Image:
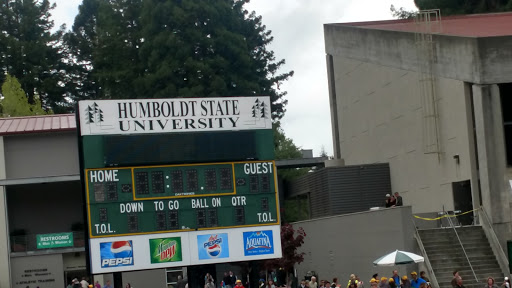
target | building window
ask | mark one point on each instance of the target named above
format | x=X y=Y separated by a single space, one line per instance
x=171 y=275
x=506 y=110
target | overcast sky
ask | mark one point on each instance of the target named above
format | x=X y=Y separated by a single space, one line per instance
x=297 y=27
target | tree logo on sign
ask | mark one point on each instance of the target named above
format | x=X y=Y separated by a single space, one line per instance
x=94 y=114
x=260 y=110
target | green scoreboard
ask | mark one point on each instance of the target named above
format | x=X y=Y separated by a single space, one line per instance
x=178 y=182
x=176 y=165
x=172 y=198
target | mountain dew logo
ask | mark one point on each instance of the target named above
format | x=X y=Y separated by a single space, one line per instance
x=165 y=250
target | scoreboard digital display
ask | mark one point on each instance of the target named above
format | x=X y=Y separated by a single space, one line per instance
x=171 y=198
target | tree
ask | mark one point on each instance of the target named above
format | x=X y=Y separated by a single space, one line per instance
x=15 y=101
x=401 y=13
x=453 y=7
x=30 y=52
x=285 y=149
x=167 y=48
x=291 y=241
x=323 y=153
x=284 y=146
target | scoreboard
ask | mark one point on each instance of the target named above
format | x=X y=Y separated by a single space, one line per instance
x=178 y=181
x=173 y=198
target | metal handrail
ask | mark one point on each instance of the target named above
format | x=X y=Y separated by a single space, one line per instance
x=502 y=259
x=433 y=278
x=462 y=246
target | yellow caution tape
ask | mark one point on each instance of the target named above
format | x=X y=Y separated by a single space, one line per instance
x=444 y=216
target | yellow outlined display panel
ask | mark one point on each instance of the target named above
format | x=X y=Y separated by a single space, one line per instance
x=172 y=198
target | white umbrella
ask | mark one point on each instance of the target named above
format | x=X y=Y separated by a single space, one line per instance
x=397 y=258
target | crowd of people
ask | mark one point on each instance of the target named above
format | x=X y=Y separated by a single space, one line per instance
x=394 y=281
x=75 y=283
x=490 y=283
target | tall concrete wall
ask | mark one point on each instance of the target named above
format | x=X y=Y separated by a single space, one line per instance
x=340 y=245
x=484 y=60
x=380 y=119
x=145 y=278
x=5 y=273
x=43 y=155
x=490 y=140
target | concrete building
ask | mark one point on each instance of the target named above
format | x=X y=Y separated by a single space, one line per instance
x=41 y=195
x=431 y=97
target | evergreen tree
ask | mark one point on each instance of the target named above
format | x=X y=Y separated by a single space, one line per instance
x=30 y=52
x=15 y=101
x=452 y=7
x=168 y=48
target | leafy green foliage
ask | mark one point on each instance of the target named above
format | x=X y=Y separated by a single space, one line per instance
x=401 y=13
x=285 y=149
x=30 y=52
x=284 y=146
x=167 y=48
x=454 y=7
x=296 y=209
x=291 y=240
x=15 y=101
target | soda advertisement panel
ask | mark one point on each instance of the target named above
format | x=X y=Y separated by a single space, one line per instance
x=213 y=246
x=258 y=243
x=116 y=254
x=165 y=250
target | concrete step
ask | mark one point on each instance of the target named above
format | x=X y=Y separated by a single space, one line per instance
x=444 y=267
x=432 y=234
x=467 y=247
x=459 y=254
x=450 y=244
x=460 y=230
x=468 y=274
x=446 y=255
x=450 y=266
x=471 y=254
x=470 y=283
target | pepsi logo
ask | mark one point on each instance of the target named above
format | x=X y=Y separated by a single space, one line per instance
x=121 y=249
x=116 y=254
x=212 y=246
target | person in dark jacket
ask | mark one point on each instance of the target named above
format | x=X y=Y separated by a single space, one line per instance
x=399 y=201
x=405 y=282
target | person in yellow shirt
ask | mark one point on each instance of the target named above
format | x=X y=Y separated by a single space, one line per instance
x=352 y=279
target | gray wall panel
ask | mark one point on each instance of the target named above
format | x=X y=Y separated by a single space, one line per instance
x=340 y=245
x=41 y=155
x=44 y=271
x=346 y=189
x=145 y=278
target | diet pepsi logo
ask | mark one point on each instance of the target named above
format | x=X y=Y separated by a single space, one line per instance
x=116 y=254
x=213 y=246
